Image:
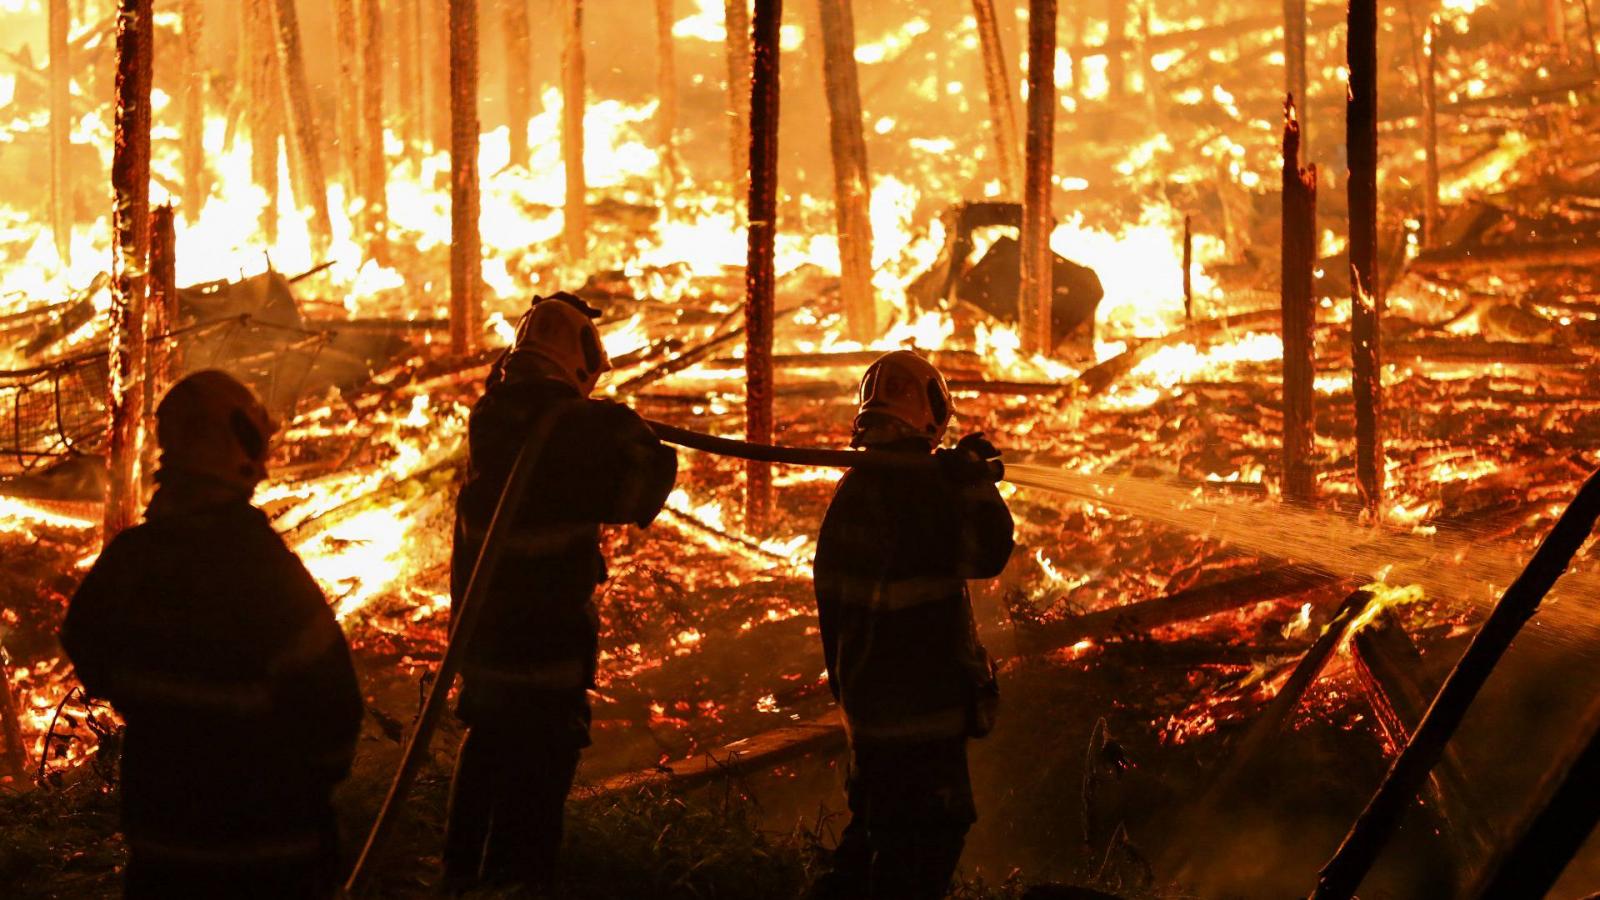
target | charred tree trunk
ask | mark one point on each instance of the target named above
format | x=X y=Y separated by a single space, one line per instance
x=574 y=102
x=737 y=16
x=519 y=77
x=161 y=315
x=466 y=310
x=130 y=232
x=303 y=120
x=346 y=35
x=1299 y=314
x=1343 y=873
x=60 y=131
x=1037 y=221
x=1002 y=96
x=1188 y=271
x=852 y=186
x=372 y=144
x=1294 y=61
x=438 y=57
x=196 y=183
x=1366 y=301
x=667 y=91
x=407 y=73
x=262 y=107
x=760 y=276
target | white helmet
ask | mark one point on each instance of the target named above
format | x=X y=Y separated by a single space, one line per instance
x=559 y=330
x=902 y=395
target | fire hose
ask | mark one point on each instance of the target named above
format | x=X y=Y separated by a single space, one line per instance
x=465 y=622
x=506 y=511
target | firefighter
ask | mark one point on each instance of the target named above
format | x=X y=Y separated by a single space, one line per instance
x=219 y=651
x=898 y=635
x=531 y=660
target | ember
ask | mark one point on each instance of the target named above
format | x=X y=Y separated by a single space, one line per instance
x=1282 y=316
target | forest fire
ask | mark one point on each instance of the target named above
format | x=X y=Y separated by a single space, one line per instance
x=1296 y=401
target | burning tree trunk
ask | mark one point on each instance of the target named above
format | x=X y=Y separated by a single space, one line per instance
x=1299 y=314
x=1033 y=303
x=667 y=90
x=377 y=173
x=161 y=314
x=1555 y=26
x=60 y=130
x=438 y=23
x=1422 y=50
x=852 y=187
x=1294 y=57
x=466 y=312
x=1002 y=97
x=760 y=277
x=1343 y=873
x=347 y=37
x=737 y=16
x=302 y=118
x=408 y=71
x=265 y=108
x=574 y=101
x=130 y=185
x=196 y=184
x=1366 y=302
x=519 y=77
x=1116 y=63
x=1188 y=271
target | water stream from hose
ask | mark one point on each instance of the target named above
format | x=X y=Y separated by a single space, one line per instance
x=1457 y=566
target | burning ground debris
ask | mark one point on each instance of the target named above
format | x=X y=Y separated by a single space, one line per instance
x=1159 y=585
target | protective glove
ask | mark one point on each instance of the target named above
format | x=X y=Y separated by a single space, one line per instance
x=972 y=460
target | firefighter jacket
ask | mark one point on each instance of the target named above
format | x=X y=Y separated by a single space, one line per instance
x=898 y=634
x=212 y=641
x=599 y=463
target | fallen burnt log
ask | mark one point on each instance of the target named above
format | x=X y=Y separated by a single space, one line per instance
x=1193 y=603
x=1387 y=665
x=822 y=734
x=1484 y=258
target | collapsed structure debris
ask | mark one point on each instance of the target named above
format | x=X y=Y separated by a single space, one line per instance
x=1138 y=328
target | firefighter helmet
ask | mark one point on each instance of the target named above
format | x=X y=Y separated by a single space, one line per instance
x=902 y=395
x=210 y=424
x=559 y=330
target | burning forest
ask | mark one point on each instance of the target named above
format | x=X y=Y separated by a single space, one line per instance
x=1279 y=324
